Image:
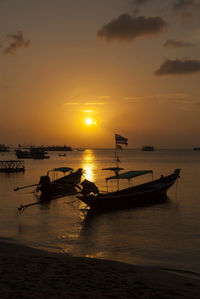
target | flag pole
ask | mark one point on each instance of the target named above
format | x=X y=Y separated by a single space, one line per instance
x=117 y=164
x=118 y=140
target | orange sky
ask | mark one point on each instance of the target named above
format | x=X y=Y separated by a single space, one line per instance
x=132 y=67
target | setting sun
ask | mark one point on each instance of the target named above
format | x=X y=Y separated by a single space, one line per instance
x=88 y=121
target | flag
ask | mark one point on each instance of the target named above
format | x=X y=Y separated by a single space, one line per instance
x=120 y=140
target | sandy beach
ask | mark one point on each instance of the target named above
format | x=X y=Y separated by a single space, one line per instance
x=31 y=273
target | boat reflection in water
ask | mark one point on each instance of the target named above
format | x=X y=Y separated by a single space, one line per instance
x=88 y=164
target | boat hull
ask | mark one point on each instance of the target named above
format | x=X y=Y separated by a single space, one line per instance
x=53 y=190
x=144 y=194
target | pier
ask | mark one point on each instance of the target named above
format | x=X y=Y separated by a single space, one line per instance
x=12 y=166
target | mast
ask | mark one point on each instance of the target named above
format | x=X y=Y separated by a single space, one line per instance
x=116 y=163
x=118 y=140
x=116 y=160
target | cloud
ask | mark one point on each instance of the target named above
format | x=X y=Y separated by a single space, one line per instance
x=186 y=8
x=138 y=2
x=170 y=43
x=85 y=103
x=95 y=103
x=178 y=67
x=71 y=103
x=103 y=97
x=17 y=41
x=89 y=111
x=181 y=5
x=177 y=98
x=128 y=28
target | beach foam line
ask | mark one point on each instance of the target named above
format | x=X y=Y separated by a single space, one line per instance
x=185 y=273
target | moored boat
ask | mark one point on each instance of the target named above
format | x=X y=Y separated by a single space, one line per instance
x=4 y=148
x=32 y=153
x=50 y=185
x=50 y=189
x=68 y=183
x=153 y=191
x=23 y=154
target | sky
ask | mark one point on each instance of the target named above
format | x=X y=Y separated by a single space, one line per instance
x=76 y=72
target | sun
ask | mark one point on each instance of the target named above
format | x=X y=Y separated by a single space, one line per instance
x=88 y=121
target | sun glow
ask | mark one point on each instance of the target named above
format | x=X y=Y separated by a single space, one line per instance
x=88 y=121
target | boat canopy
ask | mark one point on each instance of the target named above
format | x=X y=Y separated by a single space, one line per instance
x=129 y=174
x=62 y=169
x=113 y=168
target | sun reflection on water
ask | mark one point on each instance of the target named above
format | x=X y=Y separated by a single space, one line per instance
x=88 y=164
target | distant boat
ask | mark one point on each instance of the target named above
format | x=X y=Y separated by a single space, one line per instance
x=4 y=148
x=23 y=154
x=32 y=153
x=63 y=148
x=62 y=155
x=153 y=191
x=148 y=148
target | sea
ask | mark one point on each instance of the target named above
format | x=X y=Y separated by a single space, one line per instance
x=164 y=235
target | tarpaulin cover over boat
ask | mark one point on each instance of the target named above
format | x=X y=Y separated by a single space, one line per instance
x=113 y=168
x=129 y=174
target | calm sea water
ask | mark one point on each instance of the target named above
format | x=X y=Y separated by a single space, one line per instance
x=163 y=235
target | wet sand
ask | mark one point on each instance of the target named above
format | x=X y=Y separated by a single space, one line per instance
x=30 y=273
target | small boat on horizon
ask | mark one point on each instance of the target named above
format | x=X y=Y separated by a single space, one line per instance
x=148 y=148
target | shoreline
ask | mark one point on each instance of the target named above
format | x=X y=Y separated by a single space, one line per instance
x=29 y=273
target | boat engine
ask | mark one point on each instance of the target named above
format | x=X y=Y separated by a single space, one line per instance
x=89 y=187
x=44 y=183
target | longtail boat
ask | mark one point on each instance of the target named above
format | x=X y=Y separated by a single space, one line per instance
x=153 y=191
x=150 y=192
x=50 y=185
x=65 y=184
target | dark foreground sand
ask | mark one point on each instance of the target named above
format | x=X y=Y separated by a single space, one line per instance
x=30 y=273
